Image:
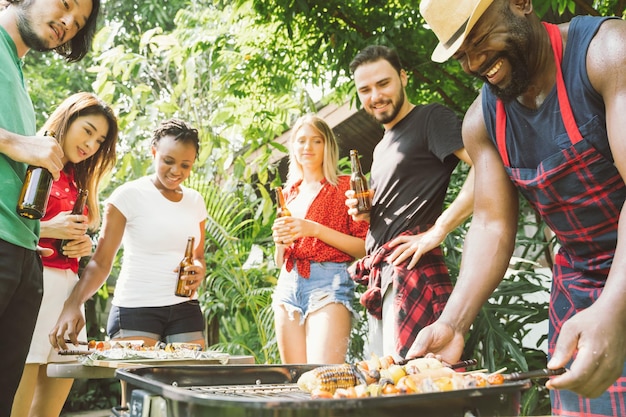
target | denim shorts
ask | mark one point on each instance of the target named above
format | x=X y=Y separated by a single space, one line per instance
x=328 y=283
x=178 y=323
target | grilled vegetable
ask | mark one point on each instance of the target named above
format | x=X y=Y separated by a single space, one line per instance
x=495 y=379
x=415 y=366
x=329 y=378
x=394 y=372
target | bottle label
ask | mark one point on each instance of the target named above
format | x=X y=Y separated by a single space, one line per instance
x=361 y=193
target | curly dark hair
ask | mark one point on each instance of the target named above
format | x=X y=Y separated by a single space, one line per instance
x=180 y=130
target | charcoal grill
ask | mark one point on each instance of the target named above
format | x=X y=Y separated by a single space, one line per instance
x=271 y=391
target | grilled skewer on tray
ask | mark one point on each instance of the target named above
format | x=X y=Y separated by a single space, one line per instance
x=385 y=377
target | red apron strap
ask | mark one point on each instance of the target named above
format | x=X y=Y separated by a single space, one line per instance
x=501 y=132
x=566 y=110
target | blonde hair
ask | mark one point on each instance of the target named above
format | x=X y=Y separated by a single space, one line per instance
x=331 y=150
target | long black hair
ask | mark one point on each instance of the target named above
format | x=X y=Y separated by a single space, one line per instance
x=76 y=48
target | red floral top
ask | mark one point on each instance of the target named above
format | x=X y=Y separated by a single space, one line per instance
x=328 y=208
x=62 y=197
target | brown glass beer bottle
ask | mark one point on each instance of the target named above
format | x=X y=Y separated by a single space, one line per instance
x=358 y=184
x=187 y=261
x=281 y=207
x=79 y=208
x=35 y=191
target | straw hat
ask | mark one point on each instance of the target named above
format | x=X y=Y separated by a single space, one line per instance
x=451 y=20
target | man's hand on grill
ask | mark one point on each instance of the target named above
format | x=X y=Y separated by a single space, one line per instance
x=439 y=339
x=599 y=342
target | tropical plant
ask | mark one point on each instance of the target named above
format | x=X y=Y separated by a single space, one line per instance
x=237 y=291
x=499 y=337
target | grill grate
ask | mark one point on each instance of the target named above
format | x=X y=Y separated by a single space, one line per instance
x=271 y=391
x=283 y=391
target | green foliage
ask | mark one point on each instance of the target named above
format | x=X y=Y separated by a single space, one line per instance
x=93 y=394
x=237 y=290
x=499 y=336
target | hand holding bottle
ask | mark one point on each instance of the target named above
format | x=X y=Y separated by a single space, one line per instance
x=69 y=227
x=41 y=151
x=77 y=248
x=190 y=273
x=78 y=211
x=358 y=184
x=280 y=229
x=352 y=203
x=35 y=191
x=191 y=277
x=286 y=230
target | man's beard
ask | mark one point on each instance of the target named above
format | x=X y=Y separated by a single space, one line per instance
x=516 y=53
x=520 y=76
x=396 y=106
x=30 y=38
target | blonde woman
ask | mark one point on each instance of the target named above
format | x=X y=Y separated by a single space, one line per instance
x=312 y=300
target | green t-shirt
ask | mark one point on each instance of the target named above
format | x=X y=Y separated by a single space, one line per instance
x=16 y=115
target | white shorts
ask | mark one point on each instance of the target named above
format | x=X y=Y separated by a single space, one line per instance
x=57 y=286
x=381 y=339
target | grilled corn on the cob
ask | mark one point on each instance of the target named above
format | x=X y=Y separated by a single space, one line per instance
x=329 y=378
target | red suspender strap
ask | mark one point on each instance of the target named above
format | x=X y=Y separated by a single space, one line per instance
x=501 y=132
x=566 y=110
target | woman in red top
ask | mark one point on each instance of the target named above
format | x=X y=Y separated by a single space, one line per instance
x=87 y=131
x=313 y=298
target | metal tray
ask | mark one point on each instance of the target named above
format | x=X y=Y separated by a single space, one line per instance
x=228 y=391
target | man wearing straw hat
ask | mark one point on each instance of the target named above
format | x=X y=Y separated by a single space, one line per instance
x=549 y=122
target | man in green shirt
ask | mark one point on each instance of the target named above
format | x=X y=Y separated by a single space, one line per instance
x=68 y=28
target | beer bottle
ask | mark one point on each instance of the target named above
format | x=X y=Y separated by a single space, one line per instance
x=281 y=209
x=79 y=208
x=35 y=191
x=358 y=183
x=187 y=261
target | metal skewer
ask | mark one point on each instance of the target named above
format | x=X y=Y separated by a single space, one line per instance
x=74 y=352
x=539 y=373
x=80 y=342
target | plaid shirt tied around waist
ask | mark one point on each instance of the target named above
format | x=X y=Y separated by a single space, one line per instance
x=422 y=292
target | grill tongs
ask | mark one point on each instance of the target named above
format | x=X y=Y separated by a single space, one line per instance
x=513 y=376
x=457 y=365
x=71 y=352
x=539 y=373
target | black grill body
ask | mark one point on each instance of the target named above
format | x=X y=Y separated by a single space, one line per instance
x=270 y=391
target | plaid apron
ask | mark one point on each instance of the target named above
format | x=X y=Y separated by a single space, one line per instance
x=579 y=193
x=422 y=292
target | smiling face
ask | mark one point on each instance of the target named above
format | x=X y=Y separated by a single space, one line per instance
x=83 y=137
x=173 y=161
x=381 y=91
x=497 y=51
x=47 y=24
